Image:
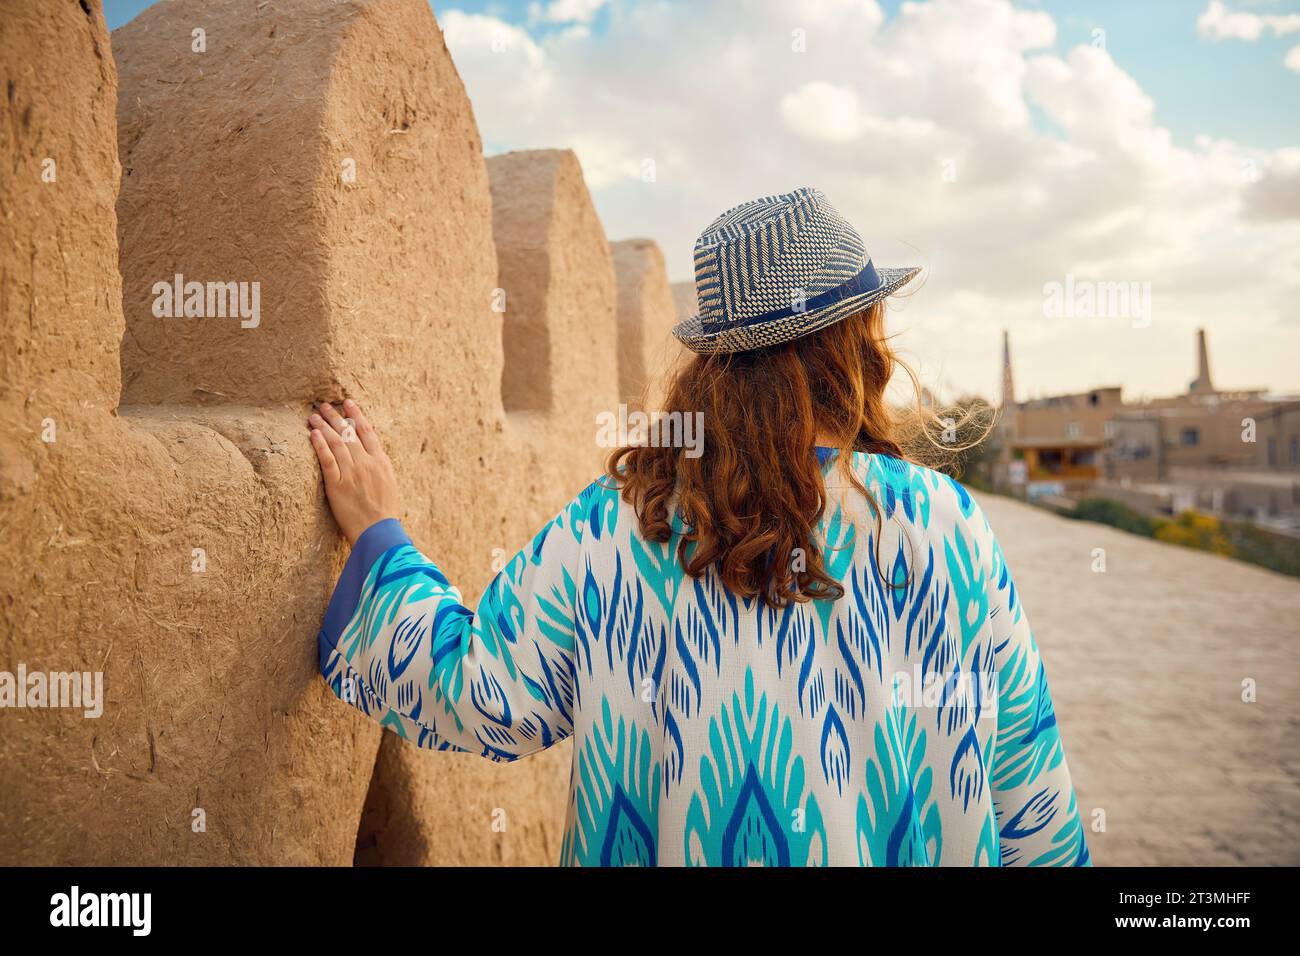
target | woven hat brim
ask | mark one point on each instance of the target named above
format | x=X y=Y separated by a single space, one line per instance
x=690 y=332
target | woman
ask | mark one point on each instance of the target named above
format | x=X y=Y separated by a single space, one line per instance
x=799 y=648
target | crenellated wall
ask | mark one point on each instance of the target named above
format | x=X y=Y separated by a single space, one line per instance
x=647 y=312
x=161 y=511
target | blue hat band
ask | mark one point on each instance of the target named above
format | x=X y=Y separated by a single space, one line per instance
x=868 y=280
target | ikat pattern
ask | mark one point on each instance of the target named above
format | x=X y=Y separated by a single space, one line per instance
x=907 y=724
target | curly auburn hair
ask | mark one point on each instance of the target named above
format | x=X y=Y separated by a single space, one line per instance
x=752 y=500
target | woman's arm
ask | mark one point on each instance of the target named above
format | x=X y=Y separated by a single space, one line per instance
x=1037 y=813
x=400 y=646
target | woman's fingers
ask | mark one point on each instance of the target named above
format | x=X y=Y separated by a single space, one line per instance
x=360 y=482
x=329 y=465
x=365 y=431
x=334 y=439
x=343 y=438
x=337 y=422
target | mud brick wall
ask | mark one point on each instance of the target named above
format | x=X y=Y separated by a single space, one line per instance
x=647 y=311
x=163 y=519
x=684 y=299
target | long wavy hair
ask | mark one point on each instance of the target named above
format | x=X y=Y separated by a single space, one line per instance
x=751 y=501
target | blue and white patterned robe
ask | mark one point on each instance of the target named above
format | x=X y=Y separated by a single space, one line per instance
x=896 y=726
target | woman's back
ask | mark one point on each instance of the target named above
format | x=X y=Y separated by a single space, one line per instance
x=763 y=654
x=906 y=723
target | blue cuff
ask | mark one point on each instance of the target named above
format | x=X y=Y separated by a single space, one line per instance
x=375 y=541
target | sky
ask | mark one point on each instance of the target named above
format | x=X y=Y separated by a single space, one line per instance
x=1098 y=179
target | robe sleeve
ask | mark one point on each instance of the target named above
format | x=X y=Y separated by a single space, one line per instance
x=498 y=680
x=1033 y=797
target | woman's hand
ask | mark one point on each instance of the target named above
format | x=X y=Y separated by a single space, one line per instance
x=359 y=479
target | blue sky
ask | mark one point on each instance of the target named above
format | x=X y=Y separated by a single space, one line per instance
x=1169 y=157
x=1223 y=88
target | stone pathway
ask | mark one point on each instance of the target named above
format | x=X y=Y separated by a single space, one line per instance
x=1146 y=662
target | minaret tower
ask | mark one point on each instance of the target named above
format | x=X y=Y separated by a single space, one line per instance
x=1003 y=470
x=1008 y=384
x=1202 y=385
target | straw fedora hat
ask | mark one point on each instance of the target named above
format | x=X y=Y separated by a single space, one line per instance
x=777 y=268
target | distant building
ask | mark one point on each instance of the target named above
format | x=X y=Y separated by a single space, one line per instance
x=1204 y=428
x=1053 y=446
x=1277 y=437
x=1152 y=439
x=1062 y=439
x=1229 y=452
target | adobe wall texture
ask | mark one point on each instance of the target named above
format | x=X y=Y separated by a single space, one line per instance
x=647 y=312
x=163 y=516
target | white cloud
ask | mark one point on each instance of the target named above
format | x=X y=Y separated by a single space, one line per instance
x=833 y=114
x=1273 y=192
x=570 y=11
x=1222 y=23
x=822 y=111
x=954 y=135
x=484 y=45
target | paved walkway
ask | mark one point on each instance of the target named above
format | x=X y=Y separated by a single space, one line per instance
x=1146 y=662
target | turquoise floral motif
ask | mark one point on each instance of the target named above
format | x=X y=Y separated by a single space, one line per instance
x=970 y=586
x=615 y=800
x=837 y=549
x=901 y=487
x=898 y=823
x=657 y=565
x=753 y=807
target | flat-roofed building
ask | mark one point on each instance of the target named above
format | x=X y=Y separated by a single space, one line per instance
x=1061 y=438
x=1277 y=437
x=1222 y=451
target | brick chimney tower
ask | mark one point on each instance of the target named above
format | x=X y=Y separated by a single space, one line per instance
x=1008 y=384
x=1202 y=385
